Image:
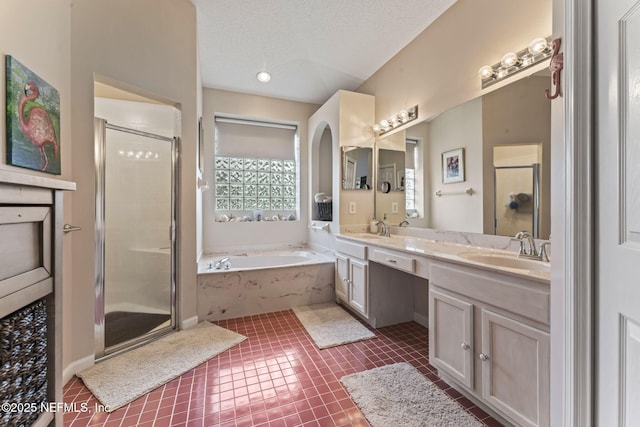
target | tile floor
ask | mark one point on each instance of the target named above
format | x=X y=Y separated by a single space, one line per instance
x=277 y=377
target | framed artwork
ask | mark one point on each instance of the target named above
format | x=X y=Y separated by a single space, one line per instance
x=33 y=120
x=453 y=166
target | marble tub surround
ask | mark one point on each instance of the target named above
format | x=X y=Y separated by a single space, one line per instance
x=455 y=252
x=231 y=294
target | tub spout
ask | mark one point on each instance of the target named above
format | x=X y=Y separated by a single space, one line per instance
x=224 y=262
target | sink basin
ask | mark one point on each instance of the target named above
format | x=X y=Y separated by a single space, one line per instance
x=507 y=260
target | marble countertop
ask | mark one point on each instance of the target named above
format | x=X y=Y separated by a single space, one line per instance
x=457 y=253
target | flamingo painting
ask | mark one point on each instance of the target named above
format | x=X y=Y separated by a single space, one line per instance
x=38 y=127
x=33 y=111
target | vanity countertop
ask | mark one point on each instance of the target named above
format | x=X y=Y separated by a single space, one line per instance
x=473 y=256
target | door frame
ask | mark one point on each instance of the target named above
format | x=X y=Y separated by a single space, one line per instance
x=101 y=352
x=573 y=221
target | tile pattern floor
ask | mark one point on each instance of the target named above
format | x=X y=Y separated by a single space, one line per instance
x=277 y=377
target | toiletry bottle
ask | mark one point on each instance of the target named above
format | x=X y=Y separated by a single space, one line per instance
x=373 y=227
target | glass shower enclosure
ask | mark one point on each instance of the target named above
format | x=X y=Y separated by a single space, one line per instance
x=517 y=199
x=135 y=237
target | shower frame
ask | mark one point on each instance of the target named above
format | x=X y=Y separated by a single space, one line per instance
x=100 y=132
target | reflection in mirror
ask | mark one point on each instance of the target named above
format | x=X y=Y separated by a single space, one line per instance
x=357 y=168
x=517 y=114
x=391 y=183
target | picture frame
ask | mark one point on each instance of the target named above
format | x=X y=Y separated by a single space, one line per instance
x=453 y=166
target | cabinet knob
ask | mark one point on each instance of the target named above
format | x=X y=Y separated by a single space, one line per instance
x=465 y=346
x=483 y=357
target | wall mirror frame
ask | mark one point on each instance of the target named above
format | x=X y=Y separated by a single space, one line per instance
x=515 y=114
x=357 y=168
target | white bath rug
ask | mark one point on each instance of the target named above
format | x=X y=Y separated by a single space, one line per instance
x=330 y=325
x=399 y=395
x=125 y=377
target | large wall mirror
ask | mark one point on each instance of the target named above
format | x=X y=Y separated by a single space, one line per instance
x=357 y=168
x=505 y=137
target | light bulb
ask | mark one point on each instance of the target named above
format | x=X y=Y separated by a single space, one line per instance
x=537 y=46
x=263 y=76
x=404 y=115
x=509 y=60
x=486 y=71
x=384 y=124
x=377 y=128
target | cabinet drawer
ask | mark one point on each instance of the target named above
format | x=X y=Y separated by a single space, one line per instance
x=25 y=247
x=528 y=299
x=393 y=259
x=353 y=249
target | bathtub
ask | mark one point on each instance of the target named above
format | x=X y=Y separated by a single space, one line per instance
x=263 y=282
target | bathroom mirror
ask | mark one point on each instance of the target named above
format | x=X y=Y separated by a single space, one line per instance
x=357 y=168
x=390 y=185
x=515 y=115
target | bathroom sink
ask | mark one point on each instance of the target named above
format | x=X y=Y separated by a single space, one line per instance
x=507 y=260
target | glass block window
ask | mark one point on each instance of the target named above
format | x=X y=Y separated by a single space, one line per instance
x=256 y=171
x=244 y=183
x=410 y=188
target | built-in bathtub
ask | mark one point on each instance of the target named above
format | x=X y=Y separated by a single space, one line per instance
x=262 y=282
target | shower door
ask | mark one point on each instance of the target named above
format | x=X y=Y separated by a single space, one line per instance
x=135 y=211
x=516 y=198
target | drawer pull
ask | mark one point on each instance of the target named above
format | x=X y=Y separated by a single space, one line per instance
x=483 y=357
x=392 y=261
x=465 y=346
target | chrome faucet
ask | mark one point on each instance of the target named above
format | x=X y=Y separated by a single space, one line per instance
x=531 y=252
x=222 y=263
x=403 y=223
x=384 y=229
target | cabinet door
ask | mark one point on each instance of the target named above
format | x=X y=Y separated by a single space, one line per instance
x=515 y=369
x=359 y=289
x=451 y=336
x=342 y=277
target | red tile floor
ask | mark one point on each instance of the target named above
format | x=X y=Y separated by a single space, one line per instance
x=277 y=377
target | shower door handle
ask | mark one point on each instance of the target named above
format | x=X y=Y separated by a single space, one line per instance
x=67 y=228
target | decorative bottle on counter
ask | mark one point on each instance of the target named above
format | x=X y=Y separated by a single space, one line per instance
x=373 y=227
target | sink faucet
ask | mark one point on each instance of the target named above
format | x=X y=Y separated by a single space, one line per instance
x=531 y=252
x=403 y=223
x=384 y=228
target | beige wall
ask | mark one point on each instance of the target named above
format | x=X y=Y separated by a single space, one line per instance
x=222 y=236
x=149 y=47
x=439 y=69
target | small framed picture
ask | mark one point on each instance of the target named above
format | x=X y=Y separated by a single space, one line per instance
x=453 y=166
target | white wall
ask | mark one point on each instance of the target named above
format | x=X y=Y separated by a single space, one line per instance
x=460 y=127
x=226 y=236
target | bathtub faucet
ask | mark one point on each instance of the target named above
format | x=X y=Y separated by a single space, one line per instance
x=222 y=263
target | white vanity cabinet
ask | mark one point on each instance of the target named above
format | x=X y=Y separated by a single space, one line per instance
x=489 y=333
x=352 y=281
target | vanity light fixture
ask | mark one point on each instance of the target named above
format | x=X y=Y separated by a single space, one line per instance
x=263 y=76
x=403 y=117
x=513 y=62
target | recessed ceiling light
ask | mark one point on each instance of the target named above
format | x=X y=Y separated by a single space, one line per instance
x=263 y=76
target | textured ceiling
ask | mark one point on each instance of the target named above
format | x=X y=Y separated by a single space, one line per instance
x=312 y=48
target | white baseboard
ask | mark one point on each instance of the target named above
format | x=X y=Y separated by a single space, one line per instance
x=421 y=319
x=77 y=366
x=189 y=323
